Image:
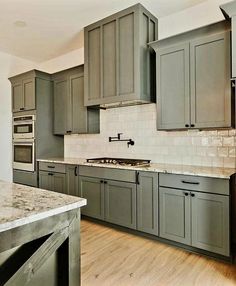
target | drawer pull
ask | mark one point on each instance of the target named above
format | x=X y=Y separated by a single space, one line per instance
x=51 y=167
x=192 y=195
x=190 y=183
x=186 y=194
x=137 y=178
x=50 y=174
x=75 y=171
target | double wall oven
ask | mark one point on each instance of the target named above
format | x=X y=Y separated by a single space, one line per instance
x=24 y=143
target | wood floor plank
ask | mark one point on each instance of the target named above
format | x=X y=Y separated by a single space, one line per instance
x=115 y=258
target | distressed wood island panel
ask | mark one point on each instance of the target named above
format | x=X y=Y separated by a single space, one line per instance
x=39 y=237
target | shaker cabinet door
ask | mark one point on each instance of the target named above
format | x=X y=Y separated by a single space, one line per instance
x=29 y=93
x=92 y=189
x=210 y=222
x=72 y=180
x=45 y=181
x=175 y=215
x=173 y=87
x=78 y=113
x=120 y=203
x=147 y=203
x=17 y=97
x=60 y=106
x=58 y=183
x=210 y=81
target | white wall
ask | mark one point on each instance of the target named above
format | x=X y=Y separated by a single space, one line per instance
x=9 y=66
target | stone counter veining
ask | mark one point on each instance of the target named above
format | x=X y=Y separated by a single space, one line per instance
x=213 y=172
x=20 y=205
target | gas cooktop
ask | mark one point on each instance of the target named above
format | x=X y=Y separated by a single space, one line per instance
x=120 y=161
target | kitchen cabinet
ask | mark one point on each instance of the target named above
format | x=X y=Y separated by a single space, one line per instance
x=193 y=79
x=118 y=61
x=147 y=202
x=70 y=115
x=72 y=180
x=52 y=177
x=196 y=214
x=210 y=222
x=175 y=215
x=110 y=194
x=92 y=189
x=24 y=90
x=52 y=181
x=120 y=203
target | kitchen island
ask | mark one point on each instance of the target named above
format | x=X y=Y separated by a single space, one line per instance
x=39 y=237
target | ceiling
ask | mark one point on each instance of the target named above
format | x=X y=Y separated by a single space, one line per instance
x=39 y=30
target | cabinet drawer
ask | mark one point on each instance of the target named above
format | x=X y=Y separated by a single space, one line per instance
x=195 y=183
x=52 y=167
x=108 y=173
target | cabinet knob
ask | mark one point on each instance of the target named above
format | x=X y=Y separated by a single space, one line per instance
x=186 y=125
x=22 y=108
x=101 y=181
x=105 y=182
x=186 y=194
x=192 y=125
x=192 y=195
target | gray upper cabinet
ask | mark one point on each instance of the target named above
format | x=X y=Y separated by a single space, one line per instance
x=147 y=202
x=70 y=115
x=173 y=87
x=210 y=222
x=193 y=79
x=117 y=58
x=120 y=203
x=210 y=81
x=24 y=90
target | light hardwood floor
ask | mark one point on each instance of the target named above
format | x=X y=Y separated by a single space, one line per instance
x=114 y=258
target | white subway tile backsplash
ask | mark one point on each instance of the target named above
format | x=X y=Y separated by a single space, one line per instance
x=193 y=147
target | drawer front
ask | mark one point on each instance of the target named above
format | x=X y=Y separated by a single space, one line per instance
x=195 y=183
x=108 y=173
x=52 y=167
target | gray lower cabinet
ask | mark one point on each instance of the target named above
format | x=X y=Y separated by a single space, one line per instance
x=92 y=189
x=193 y=79
x=195 y=218
x=120 y=203
x=175 y=221
x=72 y=180
x=210 y=222
x=70 y=115
x=52 y=181
x=147 y=202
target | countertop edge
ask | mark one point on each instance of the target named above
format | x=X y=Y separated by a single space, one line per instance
x=42 y=215
x=82 y=162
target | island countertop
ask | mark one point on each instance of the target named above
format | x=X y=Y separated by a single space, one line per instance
x=20 y=205
x=204 y=171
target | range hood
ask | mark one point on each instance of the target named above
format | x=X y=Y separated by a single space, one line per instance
x=229 y=11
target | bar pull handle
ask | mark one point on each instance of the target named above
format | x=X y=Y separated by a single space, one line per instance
x=51 y=167
x=50 y=174
x=190 y=183
x=75 y=171
x=137 y=178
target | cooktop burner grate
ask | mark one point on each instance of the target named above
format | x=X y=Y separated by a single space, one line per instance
x=120 y=161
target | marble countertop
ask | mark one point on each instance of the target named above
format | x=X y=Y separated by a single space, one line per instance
x=20 y=205
x=213 y=172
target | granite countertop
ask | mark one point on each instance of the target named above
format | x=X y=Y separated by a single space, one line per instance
x=20 y=205
x=213 y=172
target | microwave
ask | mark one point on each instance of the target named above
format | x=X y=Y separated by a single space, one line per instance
x=24 y=127
x=24 y=155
